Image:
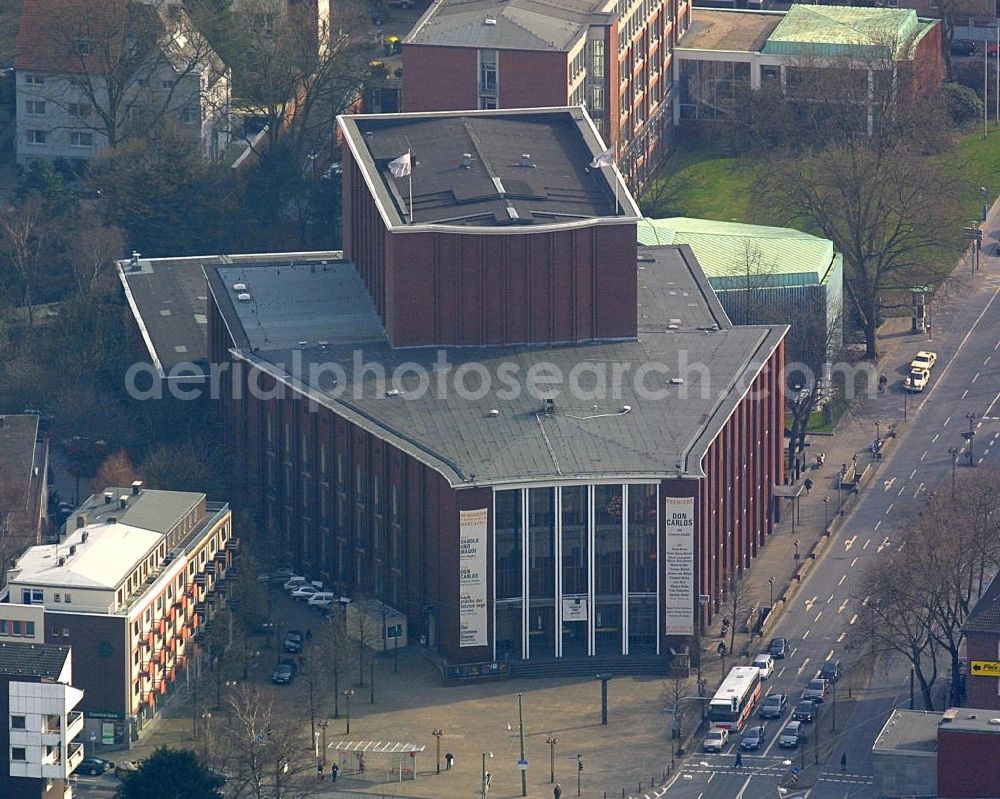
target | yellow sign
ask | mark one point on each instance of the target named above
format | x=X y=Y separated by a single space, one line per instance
x=985 y=668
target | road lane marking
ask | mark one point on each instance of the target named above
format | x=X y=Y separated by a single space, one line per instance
x=830 y=655
x=987 y=360
x=830 y=599
x=964 y=394
x=744 y=787
x=864 y=602
x=853 y=562
x=990 y=408
x=888 y=483
x=889 y=509
x=841 y=637
x=843 y=605
x=901 y=490
x=710 y=778
x=913 y=473
x=842 y=580
x=878 y=524
x=817 y=617
x=980 y=460
x=806 y=635
x=936 y=435
x=781 y=671
x=974 y=379
x=804 y=662
x=850 y=543
x=946 y=422
x=869 y=540
x=854 y=618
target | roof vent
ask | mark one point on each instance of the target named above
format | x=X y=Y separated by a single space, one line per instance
x=323 y=344
x=626 y=409
x=392 y=392
x=676 y=381
x=672 y=326
x=549 y=408
x=526 y=160
x=135 y=259
x=239 y=286
x=123 y=502
x=467 y=160
x=112 y=520
x=72 y=550
x=84 y=536
x=62 y=561
x=136 y=487
x=243 y=297
x=490 y=21
x=303 y=344
x=80 y=521
x=108 y=497
x=494 y=412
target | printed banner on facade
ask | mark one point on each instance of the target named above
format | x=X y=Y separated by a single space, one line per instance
x=472 y=580
x=680 y=565
x=574 y=609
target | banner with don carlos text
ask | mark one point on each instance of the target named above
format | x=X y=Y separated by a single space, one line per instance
x=472 y=580
x=679 y=579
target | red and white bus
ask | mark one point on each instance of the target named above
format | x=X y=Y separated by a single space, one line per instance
x=734 y=702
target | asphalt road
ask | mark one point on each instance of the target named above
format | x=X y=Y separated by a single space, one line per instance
x=965 y=380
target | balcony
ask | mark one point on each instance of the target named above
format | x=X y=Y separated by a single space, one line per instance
x=74 y=724
x=74 y=754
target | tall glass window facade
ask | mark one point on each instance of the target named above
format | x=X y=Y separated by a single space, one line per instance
x=576 y=570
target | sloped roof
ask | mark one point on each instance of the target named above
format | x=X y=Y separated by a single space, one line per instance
x=505 y=24
x=34 y=660
x=831 y=31
x=726 y=249
x=985 y=616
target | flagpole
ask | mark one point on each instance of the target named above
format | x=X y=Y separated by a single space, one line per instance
x=615 y=173
x=410 y=177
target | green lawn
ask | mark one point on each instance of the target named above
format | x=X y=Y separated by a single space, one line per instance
x=979 y=159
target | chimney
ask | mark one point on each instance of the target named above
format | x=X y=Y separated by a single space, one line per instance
x=108 y=497
x=123 y=502
x=72 y=550
x=136 y=487
x=84 y=536
x=467 y=160
x=62 y=561
x=526 y=159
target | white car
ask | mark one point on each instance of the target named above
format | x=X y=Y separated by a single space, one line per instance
x=917 y=380
x=322 y=599
x=305 y=591
x=716 y=739
x=293 y=582
x=765 y=663
x=924 y=360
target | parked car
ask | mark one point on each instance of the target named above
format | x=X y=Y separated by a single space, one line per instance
x=304 y=591
x=293 y=582
x=278 y=576
x=917 y=380
x=126 y=767
x=924 y=360
x=94 y=766
x=773 y=706
x=815 y=689
x=963 y=47
x=322 y=599
x=778 y=648
x=716 y=739
x=805 y=710
x=830 y=671
x=792 y=735
x=284 y=672
x=294 y=639
x=752 y=738
x=765 y=663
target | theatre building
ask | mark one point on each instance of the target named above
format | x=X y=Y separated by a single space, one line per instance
x=496 y=413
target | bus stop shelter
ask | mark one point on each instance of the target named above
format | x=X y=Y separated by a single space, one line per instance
x=387 y=761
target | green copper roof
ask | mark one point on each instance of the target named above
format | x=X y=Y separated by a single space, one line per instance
x=728 y=251
x=837 y=31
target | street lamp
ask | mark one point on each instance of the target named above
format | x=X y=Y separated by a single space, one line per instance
x=796 y=543
x=347 y=698
x=971 y=435
x=522 y=761
x=826 y=514
x=322 y=728
x=770 y=581
x=604 y=678
x=953 y=451
x=486 y=774
x=552 y=741
x=437 y=734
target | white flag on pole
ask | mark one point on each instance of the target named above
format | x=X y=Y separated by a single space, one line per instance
x=402 y=166
x=607 y=158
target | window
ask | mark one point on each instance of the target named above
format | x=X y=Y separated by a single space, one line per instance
x=190 y=115
x=595 y=49
x=35 y=107
x=18 y=722
x=37 y=80
x=83 y=46
x=65 y=632
x=29 y=629
x=36 y=137
x=166 y=84
x=56 y=598
x=487 y=71
x=67 y=599
x=17 y=753
x=81 y=110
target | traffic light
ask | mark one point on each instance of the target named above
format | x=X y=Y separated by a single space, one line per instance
x=579 y=762
x=734 y=703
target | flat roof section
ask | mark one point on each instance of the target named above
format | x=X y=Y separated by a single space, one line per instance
x=733 y=31
x=499 y=170
x=642 y=426
x=150 y=509
x=970 y=720
x=506 y=24
x=845 y=31
x=909 y=732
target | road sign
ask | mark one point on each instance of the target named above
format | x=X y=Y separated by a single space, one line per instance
x=973 y=233
x=985 y=668
x=522 y=764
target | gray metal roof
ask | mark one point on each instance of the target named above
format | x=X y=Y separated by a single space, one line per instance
x=32 y=660
x=508 y=24
x=470 y=170
x=681 y=324
x=911 y=732
x=155 y=510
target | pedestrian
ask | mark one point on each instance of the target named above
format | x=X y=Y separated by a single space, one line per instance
x=739 y=759
x=557 y=792
x=361 y=762
x=334 y=772
x=843 y=762
x=808 y=484
x=449 y=761
x=309 y=634
x=882 y=383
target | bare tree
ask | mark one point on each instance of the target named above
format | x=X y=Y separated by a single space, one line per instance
x=23 y=230
x=361 y=627
x=95 y=249
x=116 y=470
x=333 y=649
x=739 y=600
x=125 y=65
x=674 y=690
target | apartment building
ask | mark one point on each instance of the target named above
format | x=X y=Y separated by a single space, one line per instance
x=612 y=56
x=137 y=574
x=40 y=724
x=89 y=75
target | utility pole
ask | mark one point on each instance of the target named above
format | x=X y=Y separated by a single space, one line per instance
x=552 y=741
x=437 y=735
x=579 y=774
x=520 y=724
x=953 y=451
x=971 y=436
